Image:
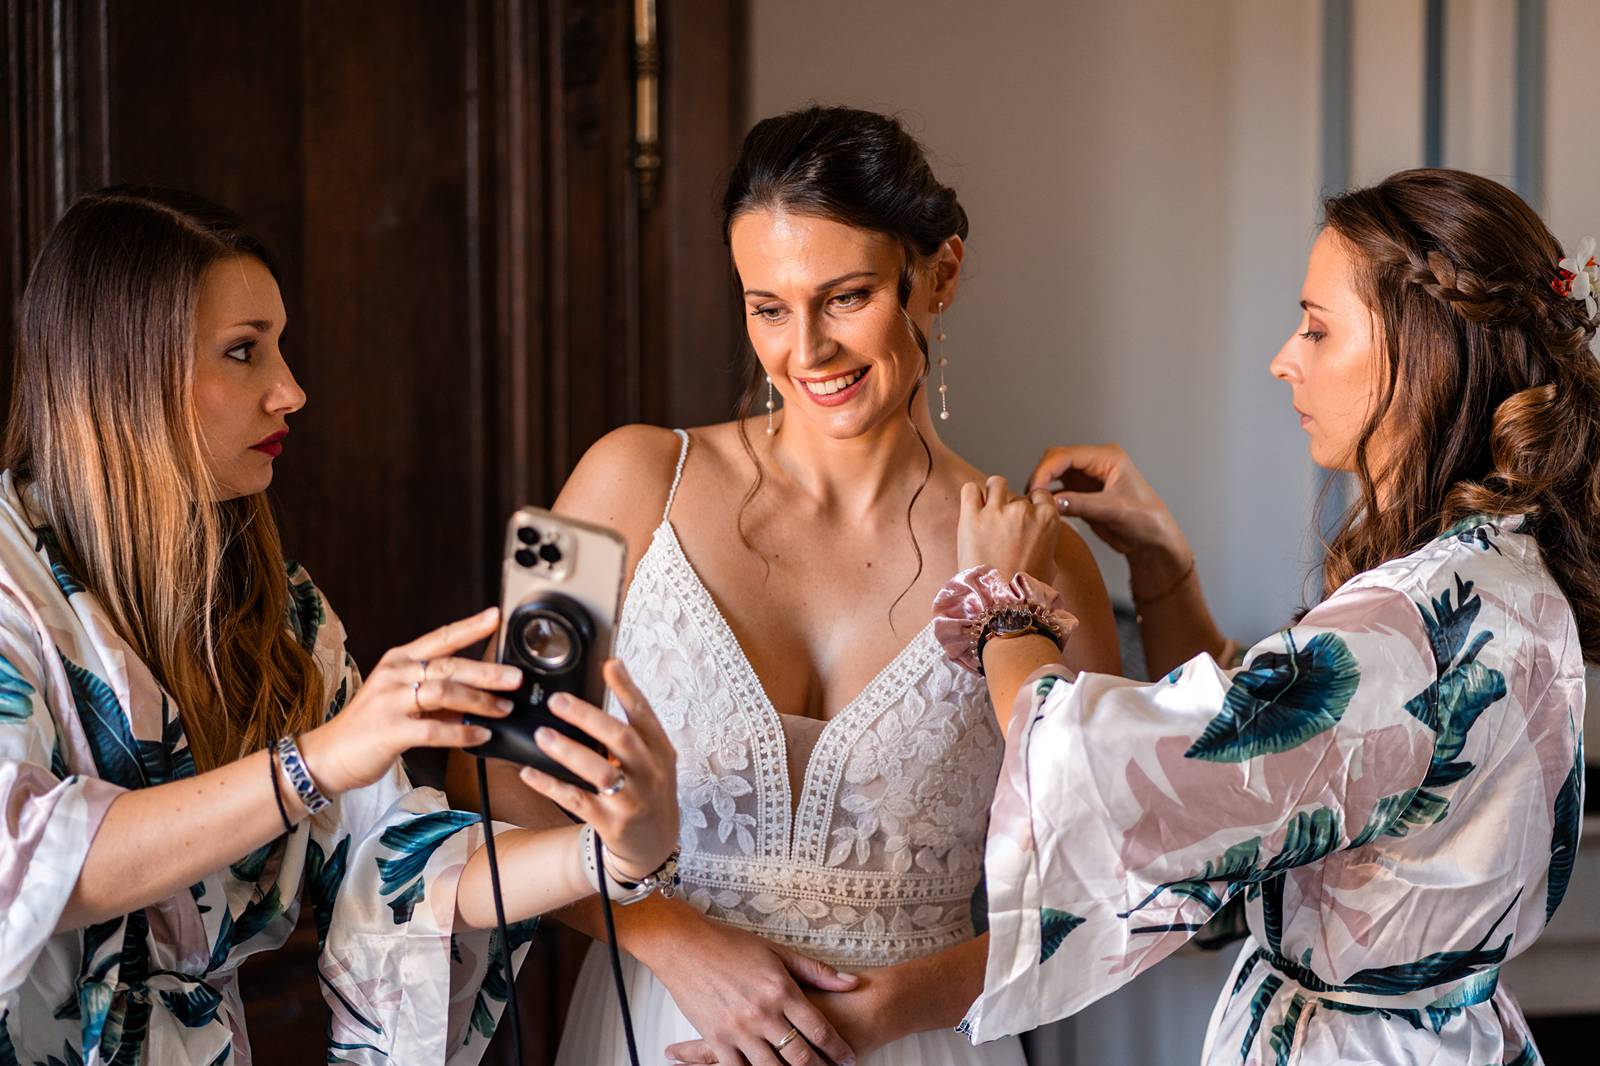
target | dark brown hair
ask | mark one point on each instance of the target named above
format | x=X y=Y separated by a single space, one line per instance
x=1492 y=369
x=864 y=170
x=103 y=425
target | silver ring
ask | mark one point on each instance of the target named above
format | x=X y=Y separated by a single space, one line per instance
x=788 y=1038
x=424 y=664
x=616 y=786
x=416 y=694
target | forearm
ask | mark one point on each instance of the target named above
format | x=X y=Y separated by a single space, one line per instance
x=541 y=870
x=1175 y=623
x=936 y=991
x=157 y=841
x=1008 y=663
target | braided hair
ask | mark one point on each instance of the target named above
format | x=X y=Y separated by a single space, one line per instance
x=1492 y=369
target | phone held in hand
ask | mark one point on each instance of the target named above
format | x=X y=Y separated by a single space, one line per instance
x=561 y=590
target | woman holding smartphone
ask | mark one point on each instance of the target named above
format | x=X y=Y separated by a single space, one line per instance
x=185 y=744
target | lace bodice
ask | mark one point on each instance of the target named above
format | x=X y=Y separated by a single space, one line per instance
x=877 y=860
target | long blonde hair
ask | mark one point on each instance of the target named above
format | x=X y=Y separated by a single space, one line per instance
x=103 y=425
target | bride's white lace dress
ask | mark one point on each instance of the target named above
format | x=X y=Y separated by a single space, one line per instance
x=872 y=862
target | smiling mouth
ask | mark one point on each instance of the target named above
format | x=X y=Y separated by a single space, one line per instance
x=835 y=384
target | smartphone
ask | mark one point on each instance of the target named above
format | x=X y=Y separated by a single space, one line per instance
x=560 y=596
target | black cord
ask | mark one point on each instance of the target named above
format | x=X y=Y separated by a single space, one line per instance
x=277 y=792
x=500 y=912
x=611 y=942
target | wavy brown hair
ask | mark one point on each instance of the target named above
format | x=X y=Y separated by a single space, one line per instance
x=1492 y=371
x=864 y=170
x=103 y=425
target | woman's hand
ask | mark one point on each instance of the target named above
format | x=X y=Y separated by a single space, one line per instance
x=740 y=994
x=636 y=809
x=1101 y=485
x=414 y=698
x=864 y=1017
x=1010 y=533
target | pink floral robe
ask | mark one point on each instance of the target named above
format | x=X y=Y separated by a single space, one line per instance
x=1393 y=785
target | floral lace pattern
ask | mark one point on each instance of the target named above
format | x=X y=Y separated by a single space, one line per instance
x=878 y=861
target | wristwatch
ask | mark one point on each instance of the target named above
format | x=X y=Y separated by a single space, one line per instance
x=1005 y=622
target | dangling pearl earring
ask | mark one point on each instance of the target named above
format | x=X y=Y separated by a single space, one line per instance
x=944 y=390
x=771 y=406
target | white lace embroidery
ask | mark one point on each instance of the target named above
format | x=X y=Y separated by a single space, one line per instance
x=887 y=836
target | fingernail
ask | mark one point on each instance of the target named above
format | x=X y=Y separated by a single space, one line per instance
x=510 y=675
x=559 y=701
x=483 y=735
x=541 y=735
x=487 y=612
x=504 y=705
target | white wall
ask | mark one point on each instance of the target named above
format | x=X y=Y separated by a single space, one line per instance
x=1141 y=179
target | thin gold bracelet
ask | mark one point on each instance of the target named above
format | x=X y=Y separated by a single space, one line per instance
x=1141 y=605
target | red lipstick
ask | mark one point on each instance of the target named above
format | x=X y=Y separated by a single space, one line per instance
x=272 y=446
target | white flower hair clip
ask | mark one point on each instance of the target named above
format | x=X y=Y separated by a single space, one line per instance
x=1578 y=278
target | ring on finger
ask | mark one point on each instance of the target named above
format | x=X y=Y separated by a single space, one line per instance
x=424 y=676
x=788 y=1038
x=416 y=694
x=618 y=783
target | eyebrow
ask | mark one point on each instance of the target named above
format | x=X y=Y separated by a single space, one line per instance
x=1307 y=305
x=260 y=325
x=830 y=283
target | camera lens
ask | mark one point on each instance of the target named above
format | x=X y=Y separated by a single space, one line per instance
x=526 y=558
x=549 y=642
x=550 y=554
x=528 y=535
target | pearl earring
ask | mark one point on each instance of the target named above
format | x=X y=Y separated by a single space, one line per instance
x=944 y=390
x=771 y=406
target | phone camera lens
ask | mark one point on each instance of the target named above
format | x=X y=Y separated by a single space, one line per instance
x=550 y=554
x=526 y=558
x=528 y=535
x=549 y=642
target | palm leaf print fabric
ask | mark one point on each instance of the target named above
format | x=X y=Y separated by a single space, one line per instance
x=1350 y=784
x=81 y=722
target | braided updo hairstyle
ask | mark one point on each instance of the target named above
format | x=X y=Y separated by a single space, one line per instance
x=1491 y=369
x=858 y=168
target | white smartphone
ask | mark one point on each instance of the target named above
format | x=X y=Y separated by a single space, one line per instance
x=560 y=596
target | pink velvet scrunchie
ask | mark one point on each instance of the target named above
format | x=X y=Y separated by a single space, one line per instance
x=966 y=603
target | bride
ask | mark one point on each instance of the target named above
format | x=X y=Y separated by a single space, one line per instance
x=835 y=770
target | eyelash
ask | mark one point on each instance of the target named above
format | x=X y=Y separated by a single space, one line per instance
x=247 y=347
x=1313 y=335
x=854 y=298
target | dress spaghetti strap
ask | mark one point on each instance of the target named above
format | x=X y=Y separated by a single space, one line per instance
x=677 y=476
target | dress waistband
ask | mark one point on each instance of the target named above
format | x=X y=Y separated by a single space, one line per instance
x=1386 y=991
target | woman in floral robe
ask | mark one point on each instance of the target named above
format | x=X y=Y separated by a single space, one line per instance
x=153 y=646
x=1392 y=785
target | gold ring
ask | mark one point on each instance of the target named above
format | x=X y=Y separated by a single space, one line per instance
x=788 y=1038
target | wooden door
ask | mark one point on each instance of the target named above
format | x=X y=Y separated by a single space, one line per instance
x=483 y=272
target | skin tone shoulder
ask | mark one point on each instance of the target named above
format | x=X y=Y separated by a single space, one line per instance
x=826 y=592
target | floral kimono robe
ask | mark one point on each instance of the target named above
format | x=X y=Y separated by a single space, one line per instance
x=81 y=720
x=1393 y=785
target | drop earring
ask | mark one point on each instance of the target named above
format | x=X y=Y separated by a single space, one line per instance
x=771 y=406
x=944 y=389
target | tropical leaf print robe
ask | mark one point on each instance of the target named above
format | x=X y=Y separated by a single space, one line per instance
x=82 y=720
x=1394 y=785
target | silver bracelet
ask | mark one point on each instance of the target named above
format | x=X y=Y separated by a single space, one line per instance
x=622 y=893
x=294 y=768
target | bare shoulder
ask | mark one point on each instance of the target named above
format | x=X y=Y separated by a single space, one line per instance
x=622 y=481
